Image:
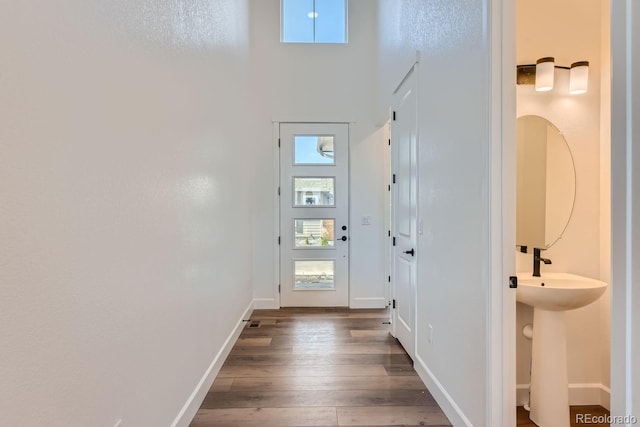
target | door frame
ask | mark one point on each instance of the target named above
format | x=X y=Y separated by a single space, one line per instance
x=501 y=303
x=276 y=203
x=625 y=339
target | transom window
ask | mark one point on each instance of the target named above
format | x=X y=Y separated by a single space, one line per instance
x=313 y=21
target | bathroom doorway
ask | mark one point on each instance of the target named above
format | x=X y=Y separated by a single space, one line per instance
x=584 y=121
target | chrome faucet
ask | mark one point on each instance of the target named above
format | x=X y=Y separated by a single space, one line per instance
x=536 y=262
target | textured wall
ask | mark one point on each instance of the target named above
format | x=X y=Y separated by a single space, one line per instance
x=454 y=143
x=124 y=224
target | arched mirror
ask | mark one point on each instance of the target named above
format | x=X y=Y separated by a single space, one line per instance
x=546 y=183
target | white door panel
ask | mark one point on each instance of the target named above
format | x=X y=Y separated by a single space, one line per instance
x=314 y=200
x=404 y=137
x=404 y=310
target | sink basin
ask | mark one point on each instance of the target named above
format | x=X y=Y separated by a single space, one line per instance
x=558 y=291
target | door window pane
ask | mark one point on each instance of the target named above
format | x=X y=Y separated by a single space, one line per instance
x=314 y=233
x=314 y=191
x=313 y=150
x=316 y=274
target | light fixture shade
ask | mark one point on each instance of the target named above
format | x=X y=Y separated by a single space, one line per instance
x=545 y=68
x=579 y=78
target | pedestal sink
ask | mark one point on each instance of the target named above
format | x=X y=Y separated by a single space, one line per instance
x=551 y=295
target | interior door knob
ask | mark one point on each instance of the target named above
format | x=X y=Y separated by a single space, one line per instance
x=411 y=252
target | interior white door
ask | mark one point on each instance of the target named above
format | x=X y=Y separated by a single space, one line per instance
x=404 y=136
x=314 y=214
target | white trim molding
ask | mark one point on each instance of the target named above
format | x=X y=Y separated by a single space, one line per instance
x=366 y=302
x=276 y=213
x=501 y=301
x=579 y=394
x=191 y=406
x=265 y=304
x=625 y=204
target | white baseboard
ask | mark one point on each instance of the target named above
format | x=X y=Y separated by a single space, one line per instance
x=605 y=397
x=188 y=411
x=579 y=394
x=522 y=394
x=377 y=302
x=445 y=401
x=265 y=304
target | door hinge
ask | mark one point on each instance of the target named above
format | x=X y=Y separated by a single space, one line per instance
x=278 y=239
x=278 y=142
x=388 y=187
x=394 y=178
x=394 y=240
x=394 y=304
x=279 y=290
x=389 y=141
x=389 y=233
x=394 y=115
x=278 y=191
x=389 y=279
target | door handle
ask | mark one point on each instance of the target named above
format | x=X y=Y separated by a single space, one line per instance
x=343 y=238
x=411 y=252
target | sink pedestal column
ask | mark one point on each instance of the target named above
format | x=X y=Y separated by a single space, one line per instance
x=549 y=399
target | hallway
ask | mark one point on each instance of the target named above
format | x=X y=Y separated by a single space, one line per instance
x=318 y=367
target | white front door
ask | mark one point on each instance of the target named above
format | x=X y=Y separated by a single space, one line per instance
x=404 y=136
x=314 y=214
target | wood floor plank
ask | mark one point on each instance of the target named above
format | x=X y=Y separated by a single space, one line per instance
x=291 y=340
x=235 y=351
x=369 y=333
x=400 y=416
x=221 y=384
x=327 y=383
x=253 y=342
x=400 y=370
x=314 y=398
x=320 y=359
x=236 y=371
x=267 y=417
x=347 y=349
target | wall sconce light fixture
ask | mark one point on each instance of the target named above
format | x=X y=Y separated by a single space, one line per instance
x=545 y=68
x=543 y=72
x=579 y=77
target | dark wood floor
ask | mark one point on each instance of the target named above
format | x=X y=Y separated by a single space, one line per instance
x=325 y=367
x=577 y=420
x=318 y=367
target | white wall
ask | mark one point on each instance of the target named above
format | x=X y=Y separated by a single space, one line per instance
x=122 y=216
x=324 y=82
x=570 y=37
x=454 y=189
